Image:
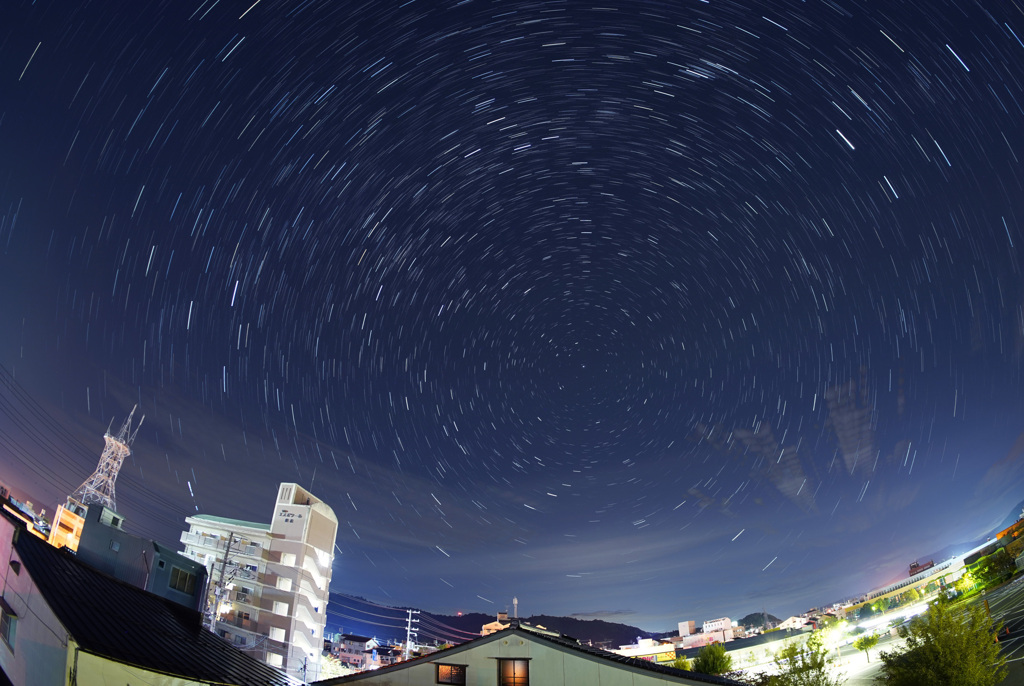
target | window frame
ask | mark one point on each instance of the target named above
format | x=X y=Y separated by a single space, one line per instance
x=459 y=672
x=178 y=574
x=8 y=625
x=513 y=679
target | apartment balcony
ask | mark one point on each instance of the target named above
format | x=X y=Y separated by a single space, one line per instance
x=241 y=623
x=233 y=623
x=220 y=544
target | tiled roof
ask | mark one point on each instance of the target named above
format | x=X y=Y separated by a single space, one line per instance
x=561 y=641
x=355 y=638
x=115 y=620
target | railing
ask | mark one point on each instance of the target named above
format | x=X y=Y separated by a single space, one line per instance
x=218 y=543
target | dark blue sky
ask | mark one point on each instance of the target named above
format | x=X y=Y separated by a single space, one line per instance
x=649 y=311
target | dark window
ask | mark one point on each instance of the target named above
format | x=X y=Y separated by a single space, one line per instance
x=115 y=546
x=8 y=624
x=160 y=564
x=182 y=581
x=513 y=673
x=451 y=674
x=114 y=521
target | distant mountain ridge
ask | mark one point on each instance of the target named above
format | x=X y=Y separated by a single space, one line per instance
x=350 y=615
x=757 y=619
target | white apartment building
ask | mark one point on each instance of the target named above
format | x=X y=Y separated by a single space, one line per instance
x=270 y=583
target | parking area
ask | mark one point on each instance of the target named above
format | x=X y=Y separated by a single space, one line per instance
x=1006 y=605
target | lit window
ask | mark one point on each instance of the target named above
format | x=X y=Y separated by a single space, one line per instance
x=182 y=581
x=513 y=673
x=451 y=674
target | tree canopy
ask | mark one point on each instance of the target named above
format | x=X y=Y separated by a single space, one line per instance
x=947 y=645
x=866 y=642
x=805 y=665
x=712 y=659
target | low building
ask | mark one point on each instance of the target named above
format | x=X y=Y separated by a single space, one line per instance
x=648 y=649
x=351 y=650
x=795 y=622
x=754 y=652
x=721 y=624
x=522 y=654
x=498 y=624
x=106 y=546
x=61 y=622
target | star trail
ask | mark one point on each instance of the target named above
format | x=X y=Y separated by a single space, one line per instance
x=547 y=299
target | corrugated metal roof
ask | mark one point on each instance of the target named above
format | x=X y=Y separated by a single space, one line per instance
x=115 y=620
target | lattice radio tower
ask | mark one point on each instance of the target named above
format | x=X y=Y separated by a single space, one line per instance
x=99 y=488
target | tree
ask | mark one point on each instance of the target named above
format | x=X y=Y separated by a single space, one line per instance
x=712 y=659
x=805 y=665
x=965 y=583
x=947 y=645
x=683 y=663
x=994 y=568
x=1015 y=547
x=911 y=596
x=866 y=611
x=865 y=642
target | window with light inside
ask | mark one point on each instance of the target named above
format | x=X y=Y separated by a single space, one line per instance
x=513 y=672
x=451 y=674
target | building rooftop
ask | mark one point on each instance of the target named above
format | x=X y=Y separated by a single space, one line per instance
x=232 y=522
x=670 y=674
x=120 y=622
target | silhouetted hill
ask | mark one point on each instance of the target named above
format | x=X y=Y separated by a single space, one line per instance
x=594 y=631
x=1010 y=518
x=757 y=619
x=352 y=615
x=960 y=548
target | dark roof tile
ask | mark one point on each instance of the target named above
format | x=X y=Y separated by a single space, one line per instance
x=115 y=620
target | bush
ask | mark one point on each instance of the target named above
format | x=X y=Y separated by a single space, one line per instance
x=947 y=645
x=804 y=665
x=712 y=659
x=683 y=663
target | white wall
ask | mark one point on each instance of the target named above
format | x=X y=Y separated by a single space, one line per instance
x=39 y=641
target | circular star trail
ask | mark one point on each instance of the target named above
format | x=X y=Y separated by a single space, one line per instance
x=636 y=275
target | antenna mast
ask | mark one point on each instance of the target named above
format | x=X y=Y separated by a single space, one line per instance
x=99 y=487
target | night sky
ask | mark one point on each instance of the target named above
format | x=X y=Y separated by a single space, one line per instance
x=647 y=311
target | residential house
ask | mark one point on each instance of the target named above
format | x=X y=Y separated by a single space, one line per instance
x=352 y=650
x=63 y=622
x=105 y=545
x=521 y=654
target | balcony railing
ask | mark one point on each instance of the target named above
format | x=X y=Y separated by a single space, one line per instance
x=218 y=543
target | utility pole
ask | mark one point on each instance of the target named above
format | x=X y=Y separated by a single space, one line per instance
x=219 y=589
x=410 y=632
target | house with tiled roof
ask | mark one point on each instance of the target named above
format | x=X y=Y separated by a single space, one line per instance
x=520 y=655
x=64 y=622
